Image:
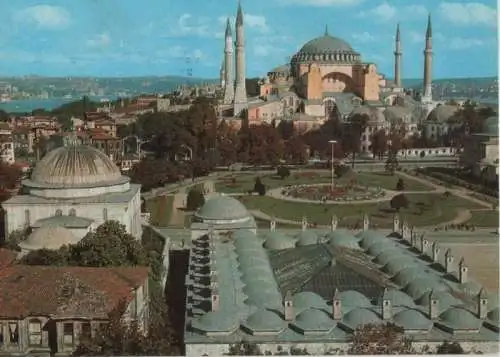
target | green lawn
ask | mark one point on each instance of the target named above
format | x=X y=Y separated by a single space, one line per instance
x=161 y=210
x=436 y=210
x=484 y=219
x=245 y=182
x=262 y=224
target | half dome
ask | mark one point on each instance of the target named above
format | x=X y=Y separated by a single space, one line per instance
x=222 y=208
x=49 y=237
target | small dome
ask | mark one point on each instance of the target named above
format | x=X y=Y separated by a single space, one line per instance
x=222 y=208
x=395 y=114
x=353 y=298
x=460 y=319
x=343 y=240
x=264 y=321
x=418 y=287
x=490 y=126
x=369 y=238
x=284 y=69
x=245 y=236
x=406 y=276
x=398 y=298
x=360 y=317
x=399 y=263
x=276 y=235
x=306 y=237
x=445 y=300
x=375 y=116
x=493 y=315
x=216 y=321
x=390 y=254
x=49 y=237
x=308 y=300
x=412 y=320
x=75 y=166
x=380 y=247
x=471 y=288
x=326 y=44
x=279 y=242
x=314 y=320
x=442 y=113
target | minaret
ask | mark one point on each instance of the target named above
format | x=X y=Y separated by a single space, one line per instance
x=222 y=74
x=397 y=59
x=240 y=92
x=228 y=66
x=427 y=93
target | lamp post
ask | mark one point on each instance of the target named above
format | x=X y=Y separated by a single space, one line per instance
x=333 y=142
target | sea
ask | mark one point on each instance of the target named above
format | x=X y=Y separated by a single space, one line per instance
x=28 y=105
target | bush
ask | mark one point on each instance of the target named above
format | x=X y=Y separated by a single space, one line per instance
x=450 y=348
x=259 y=187
x=195 y=199
x=283 y=172
x=400 y=186
x=399 y=201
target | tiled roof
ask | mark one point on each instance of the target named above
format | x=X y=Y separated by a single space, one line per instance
x=66 y=291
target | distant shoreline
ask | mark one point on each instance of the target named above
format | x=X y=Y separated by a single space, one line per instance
x=28 y=105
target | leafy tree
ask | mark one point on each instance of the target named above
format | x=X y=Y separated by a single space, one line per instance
x=379 y=143
x=260 y=144
x=295 y=150
x=450 y=348
x=400 y=186
x=351 y=140
x=259 y=187
x=244 y=349
x=399 y=201
x=195 y=199
x=283 y=172
x=10 y=176
x=391 y=164
x=385 y=339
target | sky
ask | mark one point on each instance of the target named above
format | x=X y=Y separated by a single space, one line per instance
x=175 y=37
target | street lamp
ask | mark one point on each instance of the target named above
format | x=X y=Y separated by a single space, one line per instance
x=333 y=142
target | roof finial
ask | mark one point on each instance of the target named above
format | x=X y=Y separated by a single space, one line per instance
x=326 y=30
x=428 y=34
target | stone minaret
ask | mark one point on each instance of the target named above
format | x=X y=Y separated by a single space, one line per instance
x=427 y=90
x=223 y=74
x=397 y=59
x=228 y=66
x=240 y=91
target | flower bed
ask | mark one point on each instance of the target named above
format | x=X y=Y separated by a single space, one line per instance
x=339 y=193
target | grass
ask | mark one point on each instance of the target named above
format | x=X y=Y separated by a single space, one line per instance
x=161 y=210
x=436 y=210
x=262 y=224
x=245 y=182
x=484 y=218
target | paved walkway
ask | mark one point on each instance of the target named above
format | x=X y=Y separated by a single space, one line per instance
x=178 y=215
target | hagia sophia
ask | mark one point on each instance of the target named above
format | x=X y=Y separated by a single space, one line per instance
x=327 y=78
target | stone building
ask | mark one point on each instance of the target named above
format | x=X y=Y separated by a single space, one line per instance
x=44 y=310
x=311 y=289
x=76 y=187
x=6 y=144
x=440 y=121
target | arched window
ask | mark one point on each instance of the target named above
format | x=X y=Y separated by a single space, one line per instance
x=35 y=332
x=72 y=212
x=58 y=212
x=105 y=214
x=330 y=109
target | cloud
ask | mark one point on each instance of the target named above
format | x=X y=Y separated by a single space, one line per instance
x=189 y=25
x=363 y=37
x=100 y=40
x=419 y=36
x=459 y=43
x=45 y=16
x=320 y=3
x=467 y=14
x=256 y=22
x=387 y=12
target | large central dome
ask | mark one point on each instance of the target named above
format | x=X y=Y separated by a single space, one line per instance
x=328 y=49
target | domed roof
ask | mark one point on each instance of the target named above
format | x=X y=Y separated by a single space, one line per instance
x=396 y=113
x=360 y=317
x=442 y=113
x=276 y=242
x=284 y=68
x=412 y=320
x=353 y=298
x=460 y=319
x=471 y=288
x=49 y=237
x=418 y=287
x=343 y=239
x=314 y=320
x=398 y=298
x=368 y=238
x=490 y=126
x=75 y=166
x=326 y=44
x=223 y=208
x=445 y=300
x=216 y=321
x=399 y=263
x=375 y=116
x=390 y=254
x=307 y=300
x=264 y=320
x=306 y=237
x=493 y=315
x=406 y=276
x=380 y=247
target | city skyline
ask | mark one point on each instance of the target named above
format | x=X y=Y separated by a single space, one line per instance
x=169 y=38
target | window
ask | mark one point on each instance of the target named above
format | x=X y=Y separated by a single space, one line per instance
x=105 y=214
x=86 y=329
x=1 y=334
x=58 y=212
x=68 y=336
x=72 y=212
x=13 y=333
x=35 y=332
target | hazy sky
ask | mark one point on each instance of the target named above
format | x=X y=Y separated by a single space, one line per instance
x=166 y=37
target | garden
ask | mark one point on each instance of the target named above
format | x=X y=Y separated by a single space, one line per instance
x=339 y=193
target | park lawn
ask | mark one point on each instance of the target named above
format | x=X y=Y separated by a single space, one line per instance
x=484 y=218
x=263 y=224
x=245 y=182
x=161 y=210
x=443 y=210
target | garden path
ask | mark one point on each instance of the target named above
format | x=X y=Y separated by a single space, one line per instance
x=178 y=215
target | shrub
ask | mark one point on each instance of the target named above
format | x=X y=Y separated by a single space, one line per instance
x=400 y=186
x=399 y=201
x=450 y=348
x=259 y=187
x=283 y=172
x=195 y=199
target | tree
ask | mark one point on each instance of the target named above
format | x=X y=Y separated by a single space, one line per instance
x=352 y=140
x=10 y=176
x=244 y=349
x=449 y=348
x=283 y=172
x=295 y=150
x=195 y=199
x=259 y=187
x=385 y=339
x=400 y=186
x=391 y=164
x=379 y=143
x=399 y=201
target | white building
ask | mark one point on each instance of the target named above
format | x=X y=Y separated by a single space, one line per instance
x=440 y=121
x=6 y=144
x=77 y=188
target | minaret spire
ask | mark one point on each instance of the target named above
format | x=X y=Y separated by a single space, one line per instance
x=397 y=59
x=228 y=65
x=240 y=92
x=326 y=30
x=427 y=95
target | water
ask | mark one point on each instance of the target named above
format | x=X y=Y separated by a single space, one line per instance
x=28 y=105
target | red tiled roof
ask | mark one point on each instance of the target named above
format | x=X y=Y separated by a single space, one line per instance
x=66 y=291
x=7 y=257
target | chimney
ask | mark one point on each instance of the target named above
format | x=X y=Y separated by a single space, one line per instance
x=366 y=222
x=462 y=272
x=273 y=224
x=386 y=306
x=215 y=297
x=395 y=223
x=448 y=261
x=424 y=244
x=433 y=306
x=334 y=223
x=404 y=231
x=304 y=223
x=413 y=238
x=337 y=306
x=435 y=252
x=482 y=306
x=288 y=307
